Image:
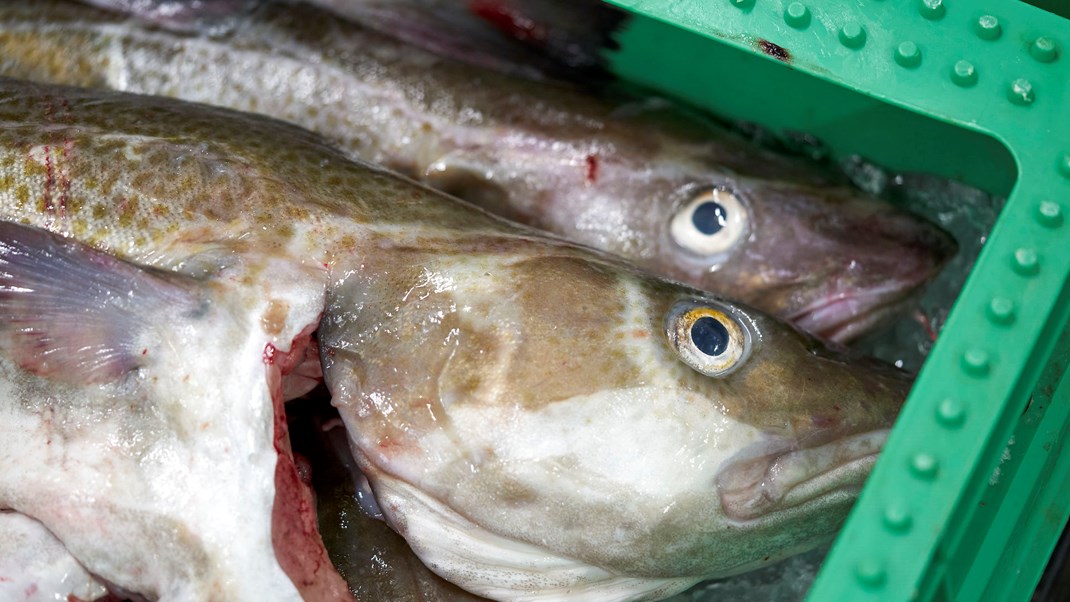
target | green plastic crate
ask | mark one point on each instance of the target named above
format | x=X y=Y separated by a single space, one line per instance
x=976 y=90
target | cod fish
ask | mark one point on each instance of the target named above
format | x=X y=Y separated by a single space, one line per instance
x=538 y=420
x=675 y=196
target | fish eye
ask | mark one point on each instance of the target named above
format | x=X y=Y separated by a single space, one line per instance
x=712 y=222
x=709 y=339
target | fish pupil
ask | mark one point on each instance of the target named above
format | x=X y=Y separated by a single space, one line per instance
x=710 y=336
x=709 y=217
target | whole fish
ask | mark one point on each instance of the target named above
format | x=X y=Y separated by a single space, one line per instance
x=535 y=418
x=684 y=200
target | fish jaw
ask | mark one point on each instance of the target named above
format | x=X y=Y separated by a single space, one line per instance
x=500 y=568
x=501 y=514
x=847 y=261
x=751 y=486
x=843 y=317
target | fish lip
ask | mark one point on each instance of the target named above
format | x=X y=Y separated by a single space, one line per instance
x=843 y=316
x=749 y=488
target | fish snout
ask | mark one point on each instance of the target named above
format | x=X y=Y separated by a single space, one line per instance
x=777 y=475
x=879 y=258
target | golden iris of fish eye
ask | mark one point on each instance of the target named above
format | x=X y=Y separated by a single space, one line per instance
x=683 y=318
x=686 y=235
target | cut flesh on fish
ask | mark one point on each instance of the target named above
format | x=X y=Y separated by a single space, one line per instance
x=108 y=436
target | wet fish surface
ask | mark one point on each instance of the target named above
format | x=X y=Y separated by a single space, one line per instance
x=374 y=560
x=536 y=39
x=673 y=195
x=534 y=418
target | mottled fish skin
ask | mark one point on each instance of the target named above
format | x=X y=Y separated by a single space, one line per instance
x=533 y=417
x=625 y=179
x=555 y=39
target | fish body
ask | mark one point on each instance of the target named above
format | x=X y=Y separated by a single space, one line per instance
x=538 y=40
x=673 y=195
x=35 y=566
x=542 y=39
x=180 y=15
x=535 y=418
x=376 y=562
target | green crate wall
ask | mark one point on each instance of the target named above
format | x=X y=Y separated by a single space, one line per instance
x=976 y=90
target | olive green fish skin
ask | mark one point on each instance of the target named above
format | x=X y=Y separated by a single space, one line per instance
x=612 y=177
x=511 y=397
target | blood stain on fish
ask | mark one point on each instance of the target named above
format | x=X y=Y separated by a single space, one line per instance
x=269 y=354
x=592 y=169
x=506 y=20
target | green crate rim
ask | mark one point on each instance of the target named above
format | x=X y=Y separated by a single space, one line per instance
x=930 y=523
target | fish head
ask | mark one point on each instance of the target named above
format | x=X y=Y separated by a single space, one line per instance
x=558 y=422
x=703 y=207
x=828 y=258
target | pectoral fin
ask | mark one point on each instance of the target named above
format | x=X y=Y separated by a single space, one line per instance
x=71 y=313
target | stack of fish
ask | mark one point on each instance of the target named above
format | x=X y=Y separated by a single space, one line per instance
x=537 y=418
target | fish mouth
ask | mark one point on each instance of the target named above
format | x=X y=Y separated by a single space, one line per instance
x=767 y=477
x=844 y=316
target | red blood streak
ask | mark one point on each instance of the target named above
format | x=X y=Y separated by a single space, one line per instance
x=592 y=169
x=926 y=324
x=269 y=354
x=507 y=20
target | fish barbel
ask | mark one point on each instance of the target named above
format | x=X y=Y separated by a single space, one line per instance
x=533 y=417
x=676 y=196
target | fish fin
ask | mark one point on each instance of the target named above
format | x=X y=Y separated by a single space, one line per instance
x=71 y=313
x=558 y=40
